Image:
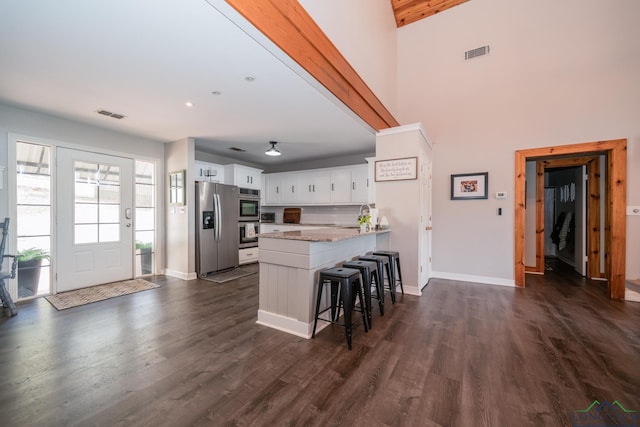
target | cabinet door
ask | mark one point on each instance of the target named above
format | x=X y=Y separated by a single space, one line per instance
x=290 y=187
x=340 y=186
x=360 y=184
x=273 y=189
x=199 y=170
x=314 y=188
x=247 y=177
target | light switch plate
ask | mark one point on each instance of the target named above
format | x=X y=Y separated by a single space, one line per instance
x=633 y=210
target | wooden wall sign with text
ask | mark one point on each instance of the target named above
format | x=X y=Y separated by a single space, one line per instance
x=397 y=169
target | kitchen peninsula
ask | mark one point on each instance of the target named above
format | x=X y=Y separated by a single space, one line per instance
x=289 y=265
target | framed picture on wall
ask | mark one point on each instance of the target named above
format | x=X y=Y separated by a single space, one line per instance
x=470 y=186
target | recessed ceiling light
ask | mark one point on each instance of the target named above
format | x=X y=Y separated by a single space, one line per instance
x=250 y=78
x=216 y=92
x=189 y=104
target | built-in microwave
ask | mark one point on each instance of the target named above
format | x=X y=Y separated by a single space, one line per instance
x=249 y=200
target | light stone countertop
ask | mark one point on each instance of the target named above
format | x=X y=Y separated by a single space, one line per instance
x=329 y=234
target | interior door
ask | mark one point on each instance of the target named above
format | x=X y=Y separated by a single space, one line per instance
x=94 y=219
x=425 y=200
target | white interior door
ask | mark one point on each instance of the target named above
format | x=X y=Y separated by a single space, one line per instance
x=425 y=217
x=94 y=219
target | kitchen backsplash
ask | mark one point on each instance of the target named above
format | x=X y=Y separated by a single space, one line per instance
x=344 y=216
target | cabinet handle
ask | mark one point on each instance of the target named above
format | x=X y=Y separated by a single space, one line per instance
x=353 y=185
x=249 y=254
x=314 y=188
x=367 y=182
x=309 y=189
x=293 y=189
x=277 y=189
x=332 y=187
x=252 y=180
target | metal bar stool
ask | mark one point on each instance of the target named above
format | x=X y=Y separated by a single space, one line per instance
x=343 y=281
x=383 y=267
x=394 y=262
x=368 y=269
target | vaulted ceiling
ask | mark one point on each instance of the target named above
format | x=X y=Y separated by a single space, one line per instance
x=408 y=11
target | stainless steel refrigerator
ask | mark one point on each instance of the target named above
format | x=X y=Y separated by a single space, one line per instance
x=216 y=227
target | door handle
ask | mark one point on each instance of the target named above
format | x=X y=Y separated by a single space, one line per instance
x=428 y=228
x=128 y=224
x=127 y=213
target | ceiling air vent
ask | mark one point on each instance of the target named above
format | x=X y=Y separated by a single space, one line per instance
x=474 y=53
x=240 y=150
x=110 y=114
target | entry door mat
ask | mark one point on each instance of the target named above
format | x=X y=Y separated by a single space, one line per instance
x=232 y=275
x=65 y=300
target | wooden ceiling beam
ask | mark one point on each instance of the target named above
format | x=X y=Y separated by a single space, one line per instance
x=289 y=26
x=408 y=11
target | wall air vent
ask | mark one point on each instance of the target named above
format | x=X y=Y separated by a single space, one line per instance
x=110 y=114
x=239 y=150
x=474 y=53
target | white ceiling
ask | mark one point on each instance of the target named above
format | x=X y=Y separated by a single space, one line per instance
x=146 y=58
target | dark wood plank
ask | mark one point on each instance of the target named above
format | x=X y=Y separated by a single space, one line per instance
x=190 y=353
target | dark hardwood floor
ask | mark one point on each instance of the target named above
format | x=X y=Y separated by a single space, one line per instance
x=190 y=353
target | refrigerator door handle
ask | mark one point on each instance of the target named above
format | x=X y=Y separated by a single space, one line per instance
x=215 y=218
x=218 y=216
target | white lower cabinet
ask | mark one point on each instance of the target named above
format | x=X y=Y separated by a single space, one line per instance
x=248 y=255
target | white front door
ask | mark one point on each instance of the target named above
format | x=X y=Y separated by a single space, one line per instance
x=94 y=219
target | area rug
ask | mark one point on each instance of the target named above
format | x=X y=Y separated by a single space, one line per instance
x=230 y=275
x=70 y=299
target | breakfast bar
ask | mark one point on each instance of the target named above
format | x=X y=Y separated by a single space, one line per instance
x=289 y=265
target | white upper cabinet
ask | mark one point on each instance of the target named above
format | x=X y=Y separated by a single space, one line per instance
x=210 y=172
x=329 y=186
x=273 y=190
x=341 y=186
x=360 y=184
x=243 y=176
x=314 y=187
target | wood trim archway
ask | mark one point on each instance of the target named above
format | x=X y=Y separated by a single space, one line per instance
x=615 y=222
x=593 y=211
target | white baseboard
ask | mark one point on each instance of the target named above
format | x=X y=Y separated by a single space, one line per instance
x=180 y=274
x=475 y=279
x=287 y=324
x=409 y=290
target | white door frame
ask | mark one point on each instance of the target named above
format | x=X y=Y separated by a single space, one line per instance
x=11 y=171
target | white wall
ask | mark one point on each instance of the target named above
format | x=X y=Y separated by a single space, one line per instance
x=558 y=73
x=364 y=31
x=29 y=123
x=181 y=219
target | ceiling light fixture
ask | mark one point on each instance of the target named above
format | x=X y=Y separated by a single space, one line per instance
x=250 y=79
x=189 y=104
x=273 y=151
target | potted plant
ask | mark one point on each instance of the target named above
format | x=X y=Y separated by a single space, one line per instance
x=145 y=251
x=365 y=222
x=29 y=263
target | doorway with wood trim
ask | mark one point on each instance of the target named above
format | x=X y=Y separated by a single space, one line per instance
x=615 y=201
